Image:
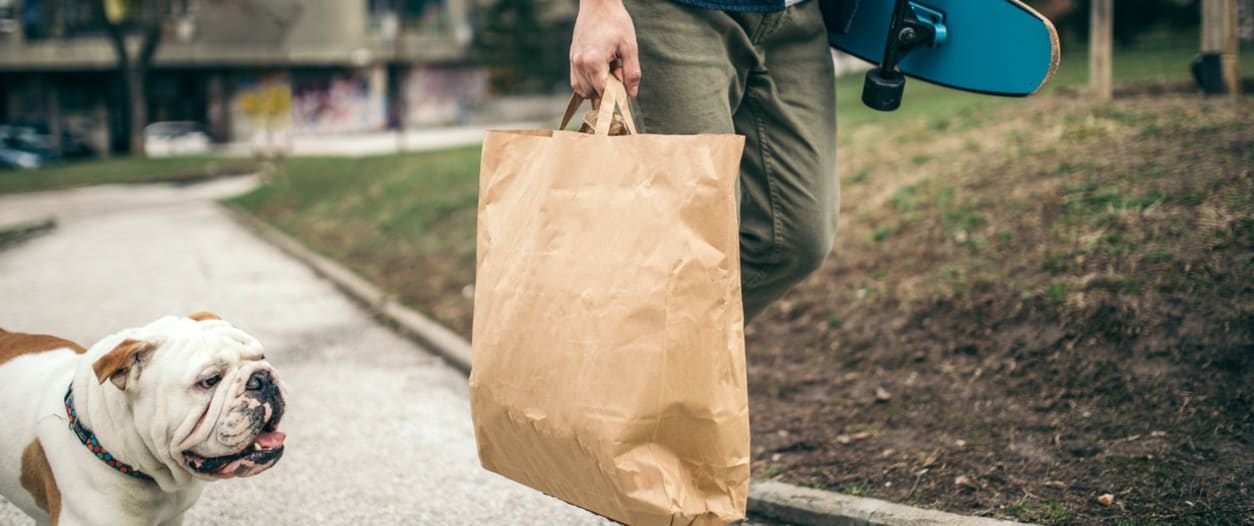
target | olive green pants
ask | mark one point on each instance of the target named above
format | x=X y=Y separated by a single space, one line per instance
x=769 y=77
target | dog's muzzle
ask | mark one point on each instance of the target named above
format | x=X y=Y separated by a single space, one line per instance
x=266 y=406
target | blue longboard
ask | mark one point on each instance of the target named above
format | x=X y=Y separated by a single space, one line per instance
x=994 y=47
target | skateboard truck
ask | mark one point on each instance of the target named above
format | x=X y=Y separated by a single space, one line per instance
x=911 y=27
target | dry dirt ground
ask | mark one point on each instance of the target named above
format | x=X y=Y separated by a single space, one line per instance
x=1025 y=313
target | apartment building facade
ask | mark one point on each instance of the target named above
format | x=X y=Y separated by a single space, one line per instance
x=340 y=66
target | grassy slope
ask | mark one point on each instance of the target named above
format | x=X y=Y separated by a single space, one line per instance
x=407 y=222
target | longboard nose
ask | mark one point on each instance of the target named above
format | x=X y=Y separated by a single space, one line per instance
x=995 y=47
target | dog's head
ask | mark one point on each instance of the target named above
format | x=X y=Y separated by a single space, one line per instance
x=201 y=395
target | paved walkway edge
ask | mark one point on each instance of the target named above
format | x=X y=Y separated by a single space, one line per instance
x=770 y=500
x=13 y=234
x=812 y=507
x=435 y=337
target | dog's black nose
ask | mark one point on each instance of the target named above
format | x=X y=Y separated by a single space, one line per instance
x=259 y=380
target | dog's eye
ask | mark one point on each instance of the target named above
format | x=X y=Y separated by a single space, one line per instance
x=211 y=381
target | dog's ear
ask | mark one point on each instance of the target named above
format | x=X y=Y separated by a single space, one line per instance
x=202 y=316
x=123 y=362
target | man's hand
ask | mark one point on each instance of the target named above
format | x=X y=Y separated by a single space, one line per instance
x=604 y=37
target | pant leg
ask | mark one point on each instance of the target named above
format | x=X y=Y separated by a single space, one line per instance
x=690 y=81
x=789 y=189
x=767 y=77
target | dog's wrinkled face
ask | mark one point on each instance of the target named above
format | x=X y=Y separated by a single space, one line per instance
x=202 y=395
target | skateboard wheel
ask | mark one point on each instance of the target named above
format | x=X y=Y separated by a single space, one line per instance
x=881 y=92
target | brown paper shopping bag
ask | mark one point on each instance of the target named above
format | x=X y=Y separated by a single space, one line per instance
x=608 y=346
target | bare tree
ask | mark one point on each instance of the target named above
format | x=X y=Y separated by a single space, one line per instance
x=136 y=29
x=137 y=24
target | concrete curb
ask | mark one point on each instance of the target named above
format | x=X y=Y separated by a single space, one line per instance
x=770 y=500
x=17 y=233
x=435 y=337
x=811 y=507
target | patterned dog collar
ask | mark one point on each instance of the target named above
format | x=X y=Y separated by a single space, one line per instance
x=89 y=439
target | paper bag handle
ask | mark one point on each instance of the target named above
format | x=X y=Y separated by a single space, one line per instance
x=616 y=95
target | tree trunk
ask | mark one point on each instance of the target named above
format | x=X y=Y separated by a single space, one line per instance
x=136 y=99
x=133 y=71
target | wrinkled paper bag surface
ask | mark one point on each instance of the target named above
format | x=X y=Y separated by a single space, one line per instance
x=608 y=346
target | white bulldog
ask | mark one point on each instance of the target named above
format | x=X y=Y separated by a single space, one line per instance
x=125 y=432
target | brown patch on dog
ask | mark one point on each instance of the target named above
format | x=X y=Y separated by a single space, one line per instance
x=38 y=480
x=14 y=344
x=117 y=364
x=202 y=316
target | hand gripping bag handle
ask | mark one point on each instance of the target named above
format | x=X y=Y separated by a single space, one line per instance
x=615 y=95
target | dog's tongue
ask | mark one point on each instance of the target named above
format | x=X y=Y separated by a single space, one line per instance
x=271 y=440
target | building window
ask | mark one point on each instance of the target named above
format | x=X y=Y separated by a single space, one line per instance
x=420 y=16
x=61 y=18
x=8 y=17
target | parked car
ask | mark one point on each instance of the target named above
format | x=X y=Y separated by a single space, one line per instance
x=175 y=138
x=36 y=137
x=11 y=159
x=72 y=146
x=20 y=147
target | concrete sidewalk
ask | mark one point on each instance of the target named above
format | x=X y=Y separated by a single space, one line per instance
x=379 y=430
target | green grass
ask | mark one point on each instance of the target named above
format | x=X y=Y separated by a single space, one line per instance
x=120 y=170
x=859 y=177
x=405 y=221
x=1017 y=509
x=857 y=490
x=1054 y=512
x=883 y=232
x=403 y=196
x=771 y=472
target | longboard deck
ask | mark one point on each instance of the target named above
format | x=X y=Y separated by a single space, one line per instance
x=995 y=47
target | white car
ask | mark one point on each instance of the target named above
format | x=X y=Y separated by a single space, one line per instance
x=11 y=159
x=163 y=139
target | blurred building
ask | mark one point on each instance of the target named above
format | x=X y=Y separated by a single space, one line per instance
x=342 y=65
x=1245 y=24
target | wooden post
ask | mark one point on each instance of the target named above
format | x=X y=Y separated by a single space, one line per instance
x=1219 y=37
x=1101 y=49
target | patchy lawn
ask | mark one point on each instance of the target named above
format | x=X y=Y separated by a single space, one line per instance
x=122 y=170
